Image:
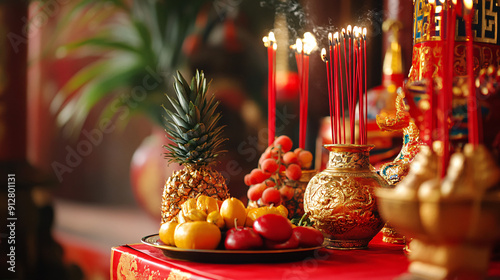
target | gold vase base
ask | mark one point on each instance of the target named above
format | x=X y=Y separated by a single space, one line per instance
x=448 y=261
x=346 y=244
x=393 y=240
x=390 y=235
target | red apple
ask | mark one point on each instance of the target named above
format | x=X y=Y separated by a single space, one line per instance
x=308 y=236
x=273 y=227
x=291 y=243
x=242 y=238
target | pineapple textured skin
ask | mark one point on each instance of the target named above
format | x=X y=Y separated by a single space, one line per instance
x=189 y=183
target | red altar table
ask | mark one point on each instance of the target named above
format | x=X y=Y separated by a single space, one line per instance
x=379 y=261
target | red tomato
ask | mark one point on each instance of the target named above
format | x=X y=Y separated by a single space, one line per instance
x=273 y=227
x=308 y=236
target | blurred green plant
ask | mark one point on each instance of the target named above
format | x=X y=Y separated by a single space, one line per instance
x=134 y=52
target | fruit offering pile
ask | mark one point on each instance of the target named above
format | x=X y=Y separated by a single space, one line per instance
x=278 y=174
x=202 y=221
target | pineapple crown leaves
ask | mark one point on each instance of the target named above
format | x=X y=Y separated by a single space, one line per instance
x=191 y=124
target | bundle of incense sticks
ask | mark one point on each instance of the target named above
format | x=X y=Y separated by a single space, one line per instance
x=346 y=75
x=303 y=48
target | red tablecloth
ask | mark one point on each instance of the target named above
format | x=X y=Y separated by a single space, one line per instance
x=380 y=261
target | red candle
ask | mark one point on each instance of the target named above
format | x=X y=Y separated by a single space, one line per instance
x=471 y=99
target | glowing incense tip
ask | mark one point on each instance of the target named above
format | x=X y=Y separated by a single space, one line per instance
x=356 y=31
x=323 y=55
x=298 y=45
x=272 y=39
x=266 y=41
x=468 y=4
x=309 y=43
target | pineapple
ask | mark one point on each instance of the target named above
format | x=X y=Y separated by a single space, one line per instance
x=197 y=139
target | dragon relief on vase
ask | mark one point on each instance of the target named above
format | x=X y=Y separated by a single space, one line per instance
x=342 y=203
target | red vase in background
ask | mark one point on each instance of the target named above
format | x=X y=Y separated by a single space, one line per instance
x=149 y=170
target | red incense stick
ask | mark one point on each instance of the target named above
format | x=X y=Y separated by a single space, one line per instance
x=337 y=105
x=361 y=99
x=342 y=84
x=329 y=83
x=471 y=99
x=366 y=88
x=270 y=43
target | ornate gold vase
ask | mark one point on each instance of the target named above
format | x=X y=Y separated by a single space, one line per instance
x=340 y=200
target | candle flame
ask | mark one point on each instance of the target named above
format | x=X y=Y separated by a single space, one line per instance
x=298 y=45
x=309 y=43
x=454 y=2
x=442 y=1
x=432 y=2
x=323 y=55
x=336 y=36
x=343 y=33
x=364 y=33
x=330 y=38
x=468 y=4
x=275 y=46
x=349 y=30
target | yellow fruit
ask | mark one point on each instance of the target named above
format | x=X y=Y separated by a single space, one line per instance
x=283 y=211
x=233 y=209
x=196 y=215
x=207 y=204
x=255 y=213
x=181 y=218
x=188 y=205
x=197 y=235
x=167 y=231
x=215 y=218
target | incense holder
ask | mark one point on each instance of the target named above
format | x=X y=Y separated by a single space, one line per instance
x=340 y=200
x=453 y=222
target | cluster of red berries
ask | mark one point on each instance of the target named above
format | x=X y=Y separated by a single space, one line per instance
x=278 y=172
